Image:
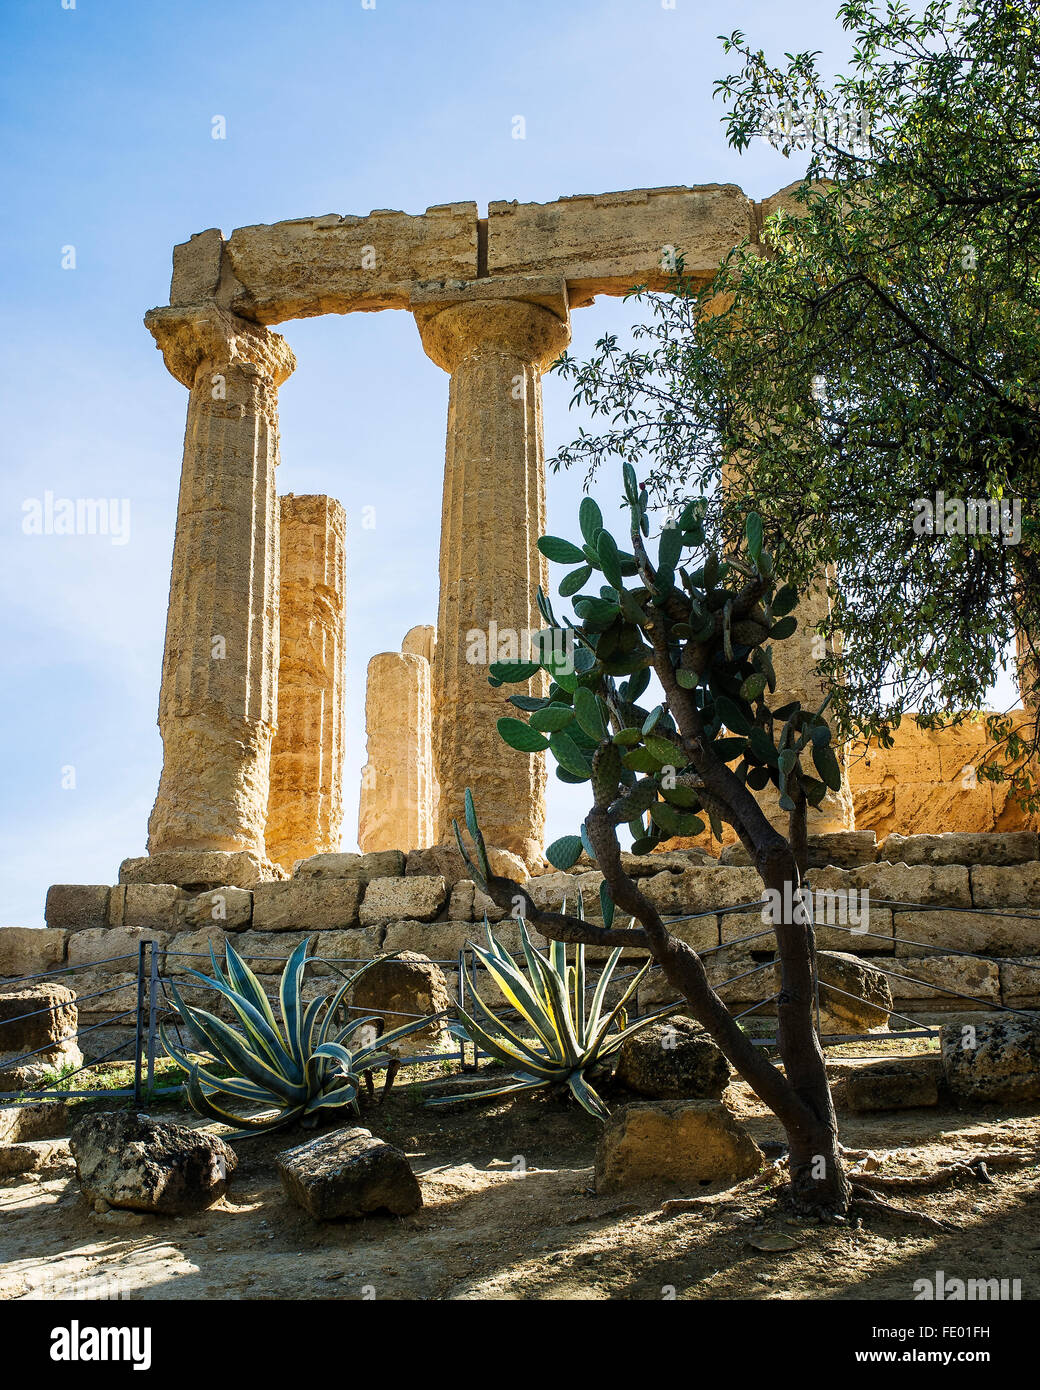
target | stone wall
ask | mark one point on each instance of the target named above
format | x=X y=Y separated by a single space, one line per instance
x=927 y=783
x=361 y=905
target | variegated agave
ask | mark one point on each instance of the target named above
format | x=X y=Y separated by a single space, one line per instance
x=558 y=1038
x=304 y=1066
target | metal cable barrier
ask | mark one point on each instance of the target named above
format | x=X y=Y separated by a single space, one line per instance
x=131 y=1060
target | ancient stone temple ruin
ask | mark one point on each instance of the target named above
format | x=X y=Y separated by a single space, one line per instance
x=251 y=701
x=244 y=834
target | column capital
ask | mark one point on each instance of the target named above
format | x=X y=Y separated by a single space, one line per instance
x=525 y=316
x=189 y=337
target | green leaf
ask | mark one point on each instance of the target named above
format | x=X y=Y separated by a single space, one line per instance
x=565 y=852
x=753 y=530
x=610 y=563
x=787 y=761
x=669 y=549
x=783 y=629
x=785 y=601
x=590 y=716
x=640 y=760
x=754 y=687
x=628 y=738
x=572 y=582
x=664 y=751
x=732 y=716
x=521 y=736
x=552 y=718
x=590 y=519
x=528 y=703
x=511 y=672
x=596 y=612
x=827 y=765
x=561 y=551
x=569 y=755
x=631 y=484
x=606 y=905
x=689 y=680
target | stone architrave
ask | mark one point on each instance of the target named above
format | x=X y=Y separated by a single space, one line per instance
x=495 y=339
x=305 y=807
x=397 y=786
x=217 y=705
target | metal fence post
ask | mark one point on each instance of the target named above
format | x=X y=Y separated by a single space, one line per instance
x=153 y=1011
x=139 y=1030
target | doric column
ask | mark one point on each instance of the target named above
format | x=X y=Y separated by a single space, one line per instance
x=305 y=807
x=217 y=705
x=397 y=783
x=495 y=340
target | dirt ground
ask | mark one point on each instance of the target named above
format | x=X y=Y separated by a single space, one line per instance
x=510 y=1213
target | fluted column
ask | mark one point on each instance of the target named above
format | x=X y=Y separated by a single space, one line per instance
x=305 y=806
x=495 y=341
x=397 y=786
x=217 y=705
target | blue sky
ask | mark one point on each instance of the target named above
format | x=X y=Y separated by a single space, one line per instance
x=106 y=113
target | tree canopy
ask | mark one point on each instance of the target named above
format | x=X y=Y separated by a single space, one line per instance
x=877 y=366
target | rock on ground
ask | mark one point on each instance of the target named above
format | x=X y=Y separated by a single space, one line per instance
x=891 y=1086
x=349 y=1173
x=141 y=1164
x=994 y=1060
x=680 y=1141
x=859 y=999
x=672 y=1060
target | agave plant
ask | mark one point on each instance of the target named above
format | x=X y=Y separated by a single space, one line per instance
x=559 y=1039
x=305 y=1065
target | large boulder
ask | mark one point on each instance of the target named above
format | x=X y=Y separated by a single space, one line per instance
x=895 y=1085
x=996 y=1059
x=681 y=1141
x=349 y=1173
x=141 y=1164
x=400 y=989
x=672 y=1060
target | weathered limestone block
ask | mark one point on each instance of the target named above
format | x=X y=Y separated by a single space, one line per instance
x=942 y=978
x=348 y=1173
x=35 y=1156
x=854 y=996
x=442 y=941
x=197 y=267
x=844 y=849
x=111 y=950
x=397 y=782
x=151 y=905
x=197 y=870
x=391 y=899
x=139 y=1164
x=189 y=950
x=401 y=989
x=41 y=1015
x=76 y=905
x=226 y=908
x=105 y=992
x=993 y=1061
x=446 y=860
x=420 y=641
x=956 y=847
x=336 y=265
x=468 y=904
x=267 y=952
x=672 y=1060
x=870 y=935
x=702 y=889
x=217 y=706
x=608 y=243
x=31 y=950
x=550 y=891
x=892 y=1086
x=307 y=904
x=989 y=933
x=1017 y=885
x=946 y=886
x=676 y=1141
x=495 y=339
x=305 y=804
x=363 y=867
x=1020 y=982
x=20 y=1124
